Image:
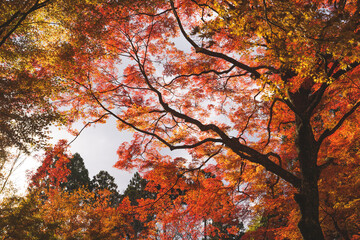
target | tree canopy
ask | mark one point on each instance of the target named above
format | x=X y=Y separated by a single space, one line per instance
x=263 y=97
x=26 y=86
x=266 y=98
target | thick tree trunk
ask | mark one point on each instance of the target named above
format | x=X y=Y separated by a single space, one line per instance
x=308 y=196
x=308 y=200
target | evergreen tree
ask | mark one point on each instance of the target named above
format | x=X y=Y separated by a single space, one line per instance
x=135 y=191
x=79 y=175
x=103 y=180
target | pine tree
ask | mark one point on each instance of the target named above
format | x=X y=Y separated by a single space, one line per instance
x=103 y=180
x=79 y=175
x=135 y=191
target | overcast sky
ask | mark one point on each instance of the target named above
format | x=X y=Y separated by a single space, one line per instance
x=97 y=145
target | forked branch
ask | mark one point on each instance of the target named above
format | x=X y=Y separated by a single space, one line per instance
x=172 y=147
x=199 y=49
x=241 y=150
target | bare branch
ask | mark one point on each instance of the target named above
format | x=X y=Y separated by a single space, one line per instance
x=206 y=161
x=87 y=124
x=205 y=5
x=10 y=172
x=242 y=150
x=248 y=122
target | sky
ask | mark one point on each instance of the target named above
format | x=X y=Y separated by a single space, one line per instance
x=96 y=144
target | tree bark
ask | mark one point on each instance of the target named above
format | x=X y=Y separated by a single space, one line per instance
x=308 y=196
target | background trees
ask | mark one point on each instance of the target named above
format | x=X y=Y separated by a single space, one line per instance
x=145 y=209
x=32 y=224
x=28 y=40
x=26 y=86
x=76 y=207
x=78 y=174
x=103 y=180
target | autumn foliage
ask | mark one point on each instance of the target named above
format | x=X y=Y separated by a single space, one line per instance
x=259 y=98
x=146 y=209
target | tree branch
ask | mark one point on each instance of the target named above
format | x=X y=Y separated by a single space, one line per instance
x=172 y=147
x=316 y=97
x=205 y=51
x=203 y=163
x=87 y=124
x=35 y=7
x=328 y=162
x=328 y=132
x=201 y=73
x=270 y=119
x=242 y=150
x=340 y=72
